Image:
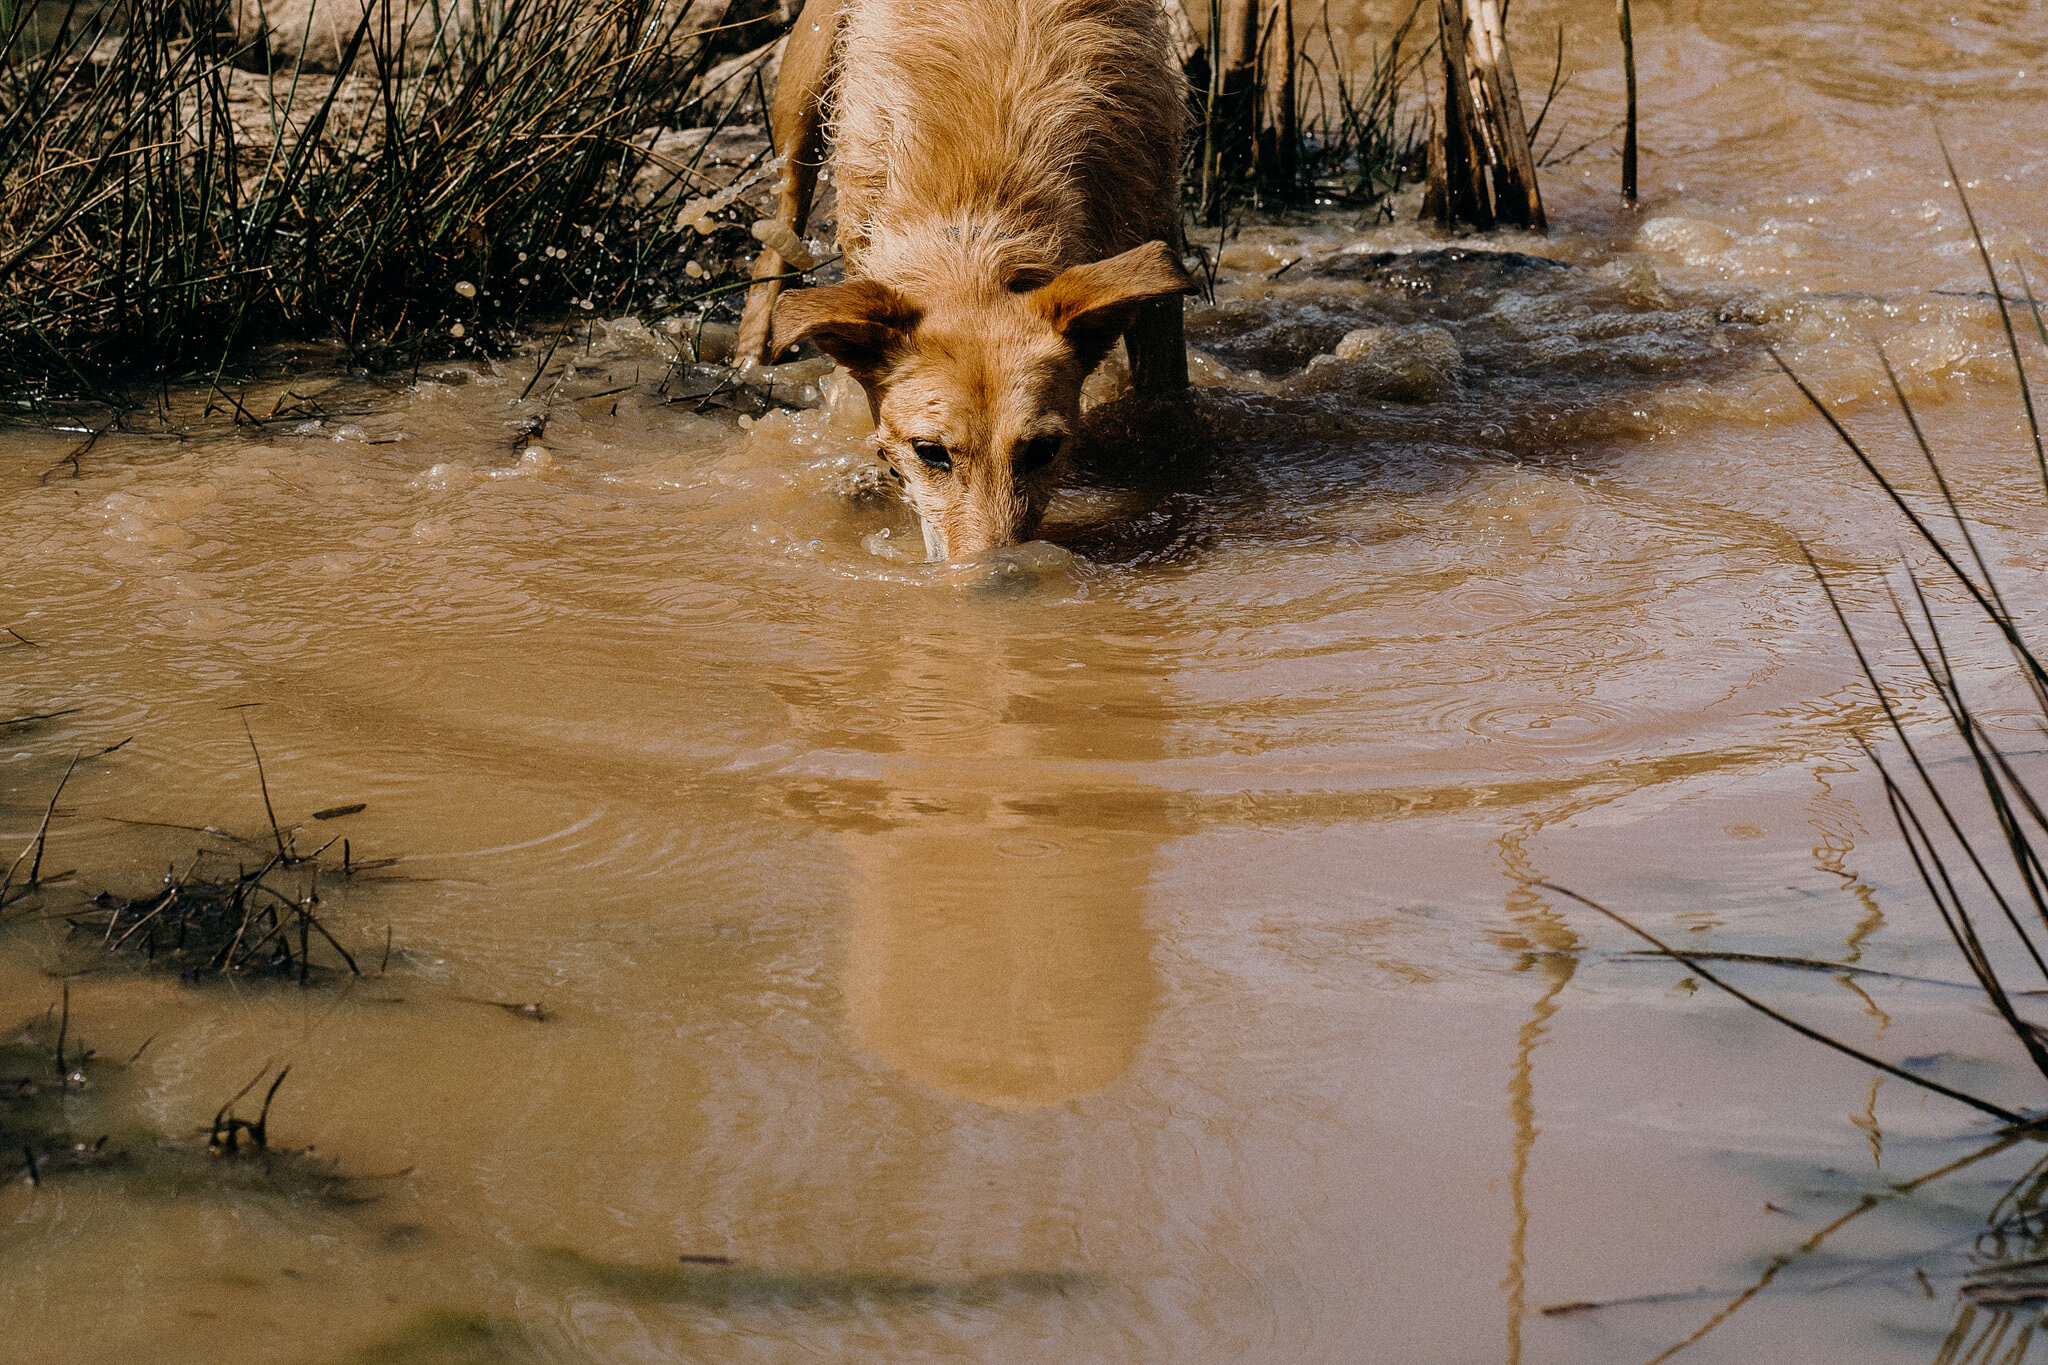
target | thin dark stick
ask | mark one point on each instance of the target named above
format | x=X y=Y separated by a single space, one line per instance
x=1941 y=480
x=260 y=1129
x=63 y=1029
x=1946 y=687
x=1959 y=926
x=264 y=784
x=2026 y=287
x=546 y=356
x=36 y=845
x=222 y=1112
x=1803 y=964
x=1628 y=142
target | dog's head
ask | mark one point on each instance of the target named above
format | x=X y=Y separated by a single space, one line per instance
x=976 y=393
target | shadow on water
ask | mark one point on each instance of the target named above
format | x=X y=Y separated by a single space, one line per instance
x=721 y=1284
x=2002 y=1264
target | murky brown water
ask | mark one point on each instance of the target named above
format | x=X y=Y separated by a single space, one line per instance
x=1122 y=952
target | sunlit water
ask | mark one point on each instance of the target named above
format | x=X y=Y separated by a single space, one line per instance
x=1123 y=949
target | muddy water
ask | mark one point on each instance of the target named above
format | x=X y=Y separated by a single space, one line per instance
x=1123 y=949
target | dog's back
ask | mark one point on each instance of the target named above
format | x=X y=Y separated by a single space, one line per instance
x=1008 y=204
x=1049 y=130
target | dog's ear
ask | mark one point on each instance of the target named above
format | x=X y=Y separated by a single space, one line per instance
x=856 y=323
x=1091 y=304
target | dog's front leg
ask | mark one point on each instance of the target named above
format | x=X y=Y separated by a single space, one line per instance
x=797 y=128
x=1158 y=353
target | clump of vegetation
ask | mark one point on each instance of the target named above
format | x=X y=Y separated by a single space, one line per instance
x=1974 y=820
x=41 y=1066
x=237 y=924
x=206 y=921
x=65 y=1111
x=169 y=197
x=1280 y=122
x=1980 y=847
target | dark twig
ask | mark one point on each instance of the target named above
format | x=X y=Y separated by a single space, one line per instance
x=283 y=854
x=35 y=846
x=1807 y=964
x=63 y=1031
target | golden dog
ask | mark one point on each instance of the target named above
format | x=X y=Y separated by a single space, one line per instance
x=1008 y=176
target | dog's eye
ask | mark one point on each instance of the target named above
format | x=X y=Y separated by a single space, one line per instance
x=932 y=453
x=1038 y=453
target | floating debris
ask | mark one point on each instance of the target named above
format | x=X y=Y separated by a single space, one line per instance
x=207 y=925
x=533 y=1010
x=206 y=920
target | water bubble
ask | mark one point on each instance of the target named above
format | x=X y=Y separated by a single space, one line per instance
x=465 y=288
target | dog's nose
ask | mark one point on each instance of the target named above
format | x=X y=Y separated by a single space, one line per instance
x=967 y=543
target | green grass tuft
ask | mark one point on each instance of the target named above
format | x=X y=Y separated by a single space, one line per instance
x=169 y=198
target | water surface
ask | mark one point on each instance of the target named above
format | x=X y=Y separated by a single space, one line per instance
x=1123 y=949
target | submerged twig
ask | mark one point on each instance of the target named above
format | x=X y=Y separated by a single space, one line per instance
x=1808 y=964
x=36 y=844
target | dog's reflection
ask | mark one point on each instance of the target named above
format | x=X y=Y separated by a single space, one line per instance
x=997 y=948
x=1000 y=958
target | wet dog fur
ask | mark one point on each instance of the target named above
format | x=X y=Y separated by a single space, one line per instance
x=1008 y=175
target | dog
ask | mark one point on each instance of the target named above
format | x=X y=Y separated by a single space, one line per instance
x=1009 y=207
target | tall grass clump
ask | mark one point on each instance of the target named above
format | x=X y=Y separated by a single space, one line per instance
x=171 y=195
x=1281 y=121
x=1971 y=808
x=1972 y=812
